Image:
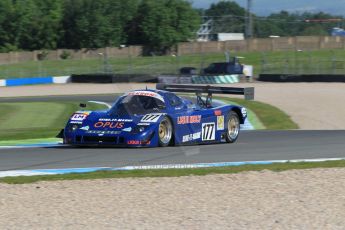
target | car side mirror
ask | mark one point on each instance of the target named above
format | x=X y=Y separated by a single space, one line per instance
x=82 y=105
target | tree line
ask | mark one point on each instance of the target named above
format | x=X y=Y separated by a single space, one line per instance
x=157 y=24
x=228 y=16
x=75 y=24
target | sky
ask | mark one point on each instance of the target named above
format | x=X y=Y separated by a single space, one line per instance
x=266 y=7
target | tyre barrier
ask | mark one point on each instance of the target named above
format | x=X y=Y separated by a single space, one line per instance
x=301 y=78
x=122 y=78
x=113 y=78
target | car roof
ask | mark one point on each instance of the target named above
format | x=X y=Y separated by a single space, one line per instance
x=159 y=94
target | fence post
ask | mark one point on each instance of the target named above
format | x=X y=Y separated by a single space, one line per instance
x=333 y=62
x=129 y=55
x=321 y=45
x=12 y=57
x=263 y=62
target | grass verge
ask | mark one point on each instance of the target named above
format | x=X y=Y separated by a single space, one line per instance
x=32 y=120
x=29 y=141
x=278 y=167
x=269 y=116
x=170 y=65
x=35 y=120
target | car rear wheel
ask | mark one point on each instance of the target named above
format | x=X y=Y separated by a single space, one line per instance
x=165 y=132
x=232 y=127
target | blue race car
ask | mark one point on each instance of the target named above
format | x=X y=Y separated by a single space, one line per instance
x=150 y=118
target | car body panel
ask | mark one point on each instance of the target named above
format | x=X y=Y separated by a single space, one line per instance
x=191 y=123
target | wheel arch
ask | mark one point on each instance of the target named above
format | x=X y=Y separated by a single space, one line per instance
x=237 y=110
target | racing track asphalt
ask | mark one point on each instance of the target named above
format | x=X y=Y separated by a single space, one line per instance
x=251 y=146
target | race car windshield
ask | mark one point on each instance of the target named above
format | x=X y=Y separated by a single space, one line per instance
x=136 y=105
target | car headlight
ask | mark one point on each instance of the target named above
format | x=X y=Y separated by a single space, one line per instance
x=74 y=127
x=138 y=129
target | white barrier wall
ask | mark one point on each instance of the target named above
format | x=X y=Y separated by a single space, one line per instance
x=61 y=79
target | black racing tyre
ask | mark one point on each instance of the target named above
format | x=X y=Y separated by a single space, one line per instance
x=232 y=127
x=165 y=132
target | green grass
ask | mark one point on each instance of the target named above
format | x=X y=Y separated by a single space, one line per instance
x=29 y=141
x=278 y=167
x=34 y=120
x=251 y=116
x=281 y=61
x=269 y=116
x=31 y=120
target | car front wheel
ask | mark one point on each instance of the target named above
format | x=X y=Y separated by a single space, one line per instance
x=165 y=132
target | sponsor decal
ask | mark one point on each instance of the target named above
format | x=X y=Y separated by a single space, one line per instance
x=85 y=128
x=191 y=137
x=108 y=124
x=152 y=117
x=146 y=93
x=208 y=131
x=189 y=119
x=129 y=129
x=144 y=124
x=103 y=132
x=220 y=122
x=112 y=120
x=244 y=112
x=218 y=112
x=137 y=142
x=76 y=122
x=78 y=117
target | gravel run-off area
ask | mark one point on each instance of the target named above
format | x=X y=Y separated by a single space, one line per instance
x=296 y=199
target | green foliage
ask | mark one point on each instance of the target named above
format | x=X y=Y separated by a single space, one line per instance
x=157 y=24
x=30 y=24
x=228 y=17
x=75 y=24
x=294 y=24
x=42 y=55
x=8 y=26
x=65 y=55
x=95 y=24
x=314 y=30
x=39 y=23
x=161 y=24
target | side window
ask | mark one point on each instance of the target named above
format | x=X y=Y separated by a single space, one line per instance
x=174 y=100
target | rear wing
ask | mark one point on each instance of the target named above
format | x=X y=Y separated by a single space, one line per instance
x=248 y=92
